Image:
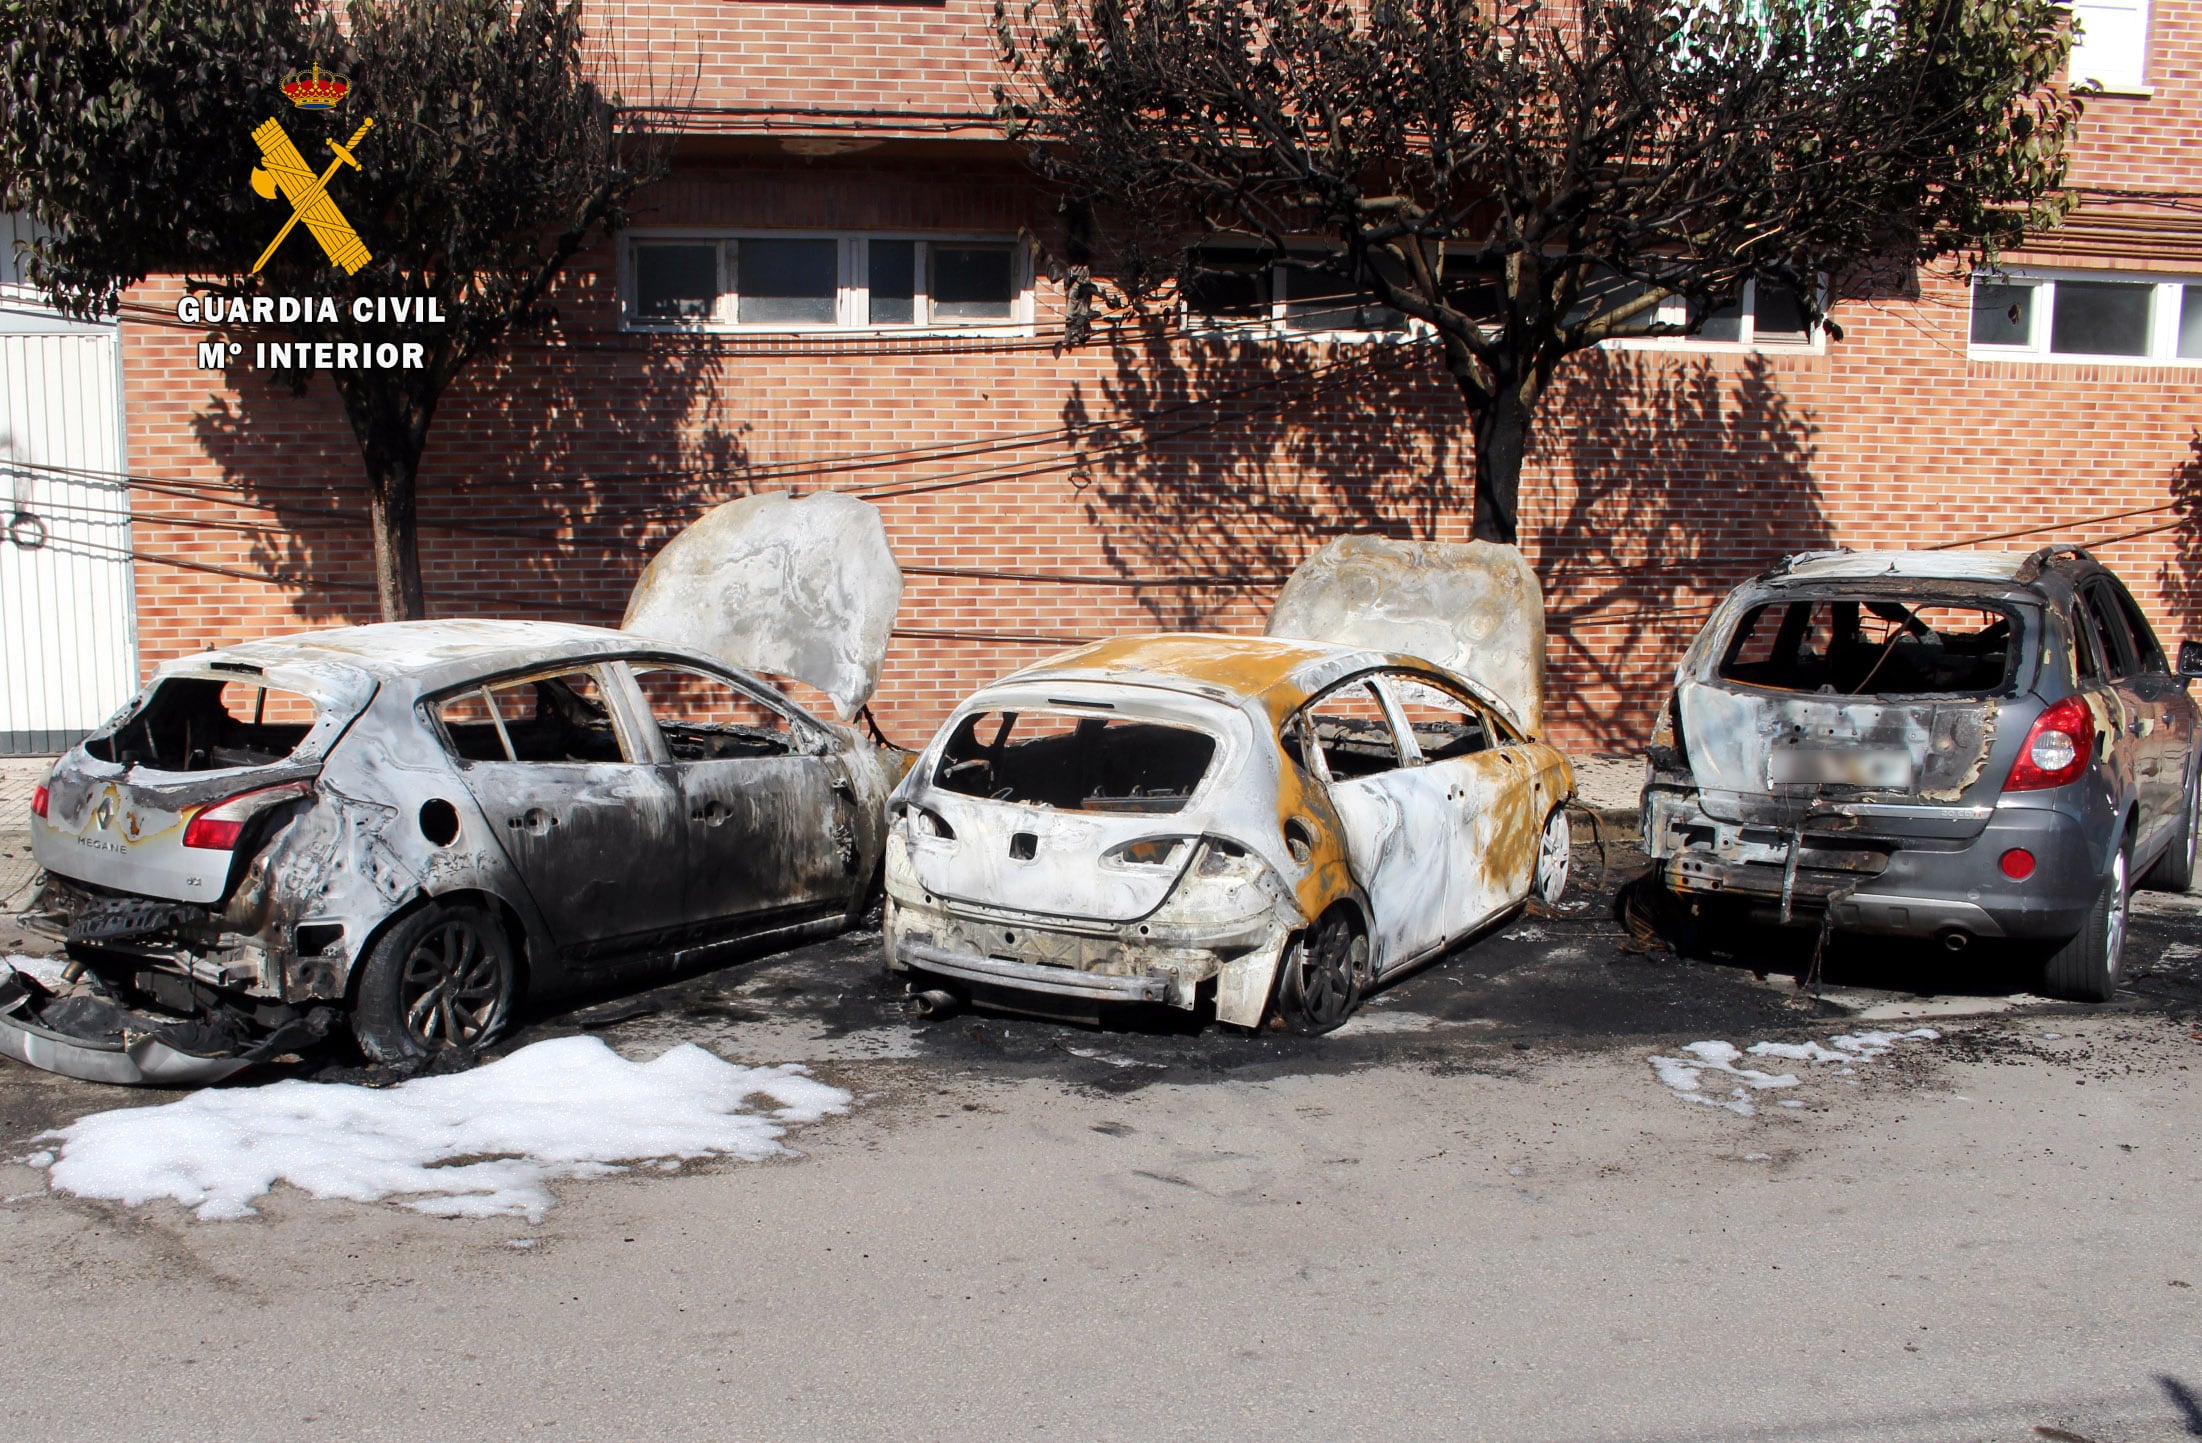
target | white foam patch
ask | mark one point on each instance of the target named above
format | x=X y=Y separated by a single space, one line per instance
x=474 y=1144
x=1686 y=1075
x=1113 y=1059
x=45 y=970
x=1371 y=1023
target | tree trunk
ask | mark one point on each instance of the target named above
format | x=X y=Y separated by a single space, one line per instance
x=1502 y=439
x=396 y=525
x=390 y=421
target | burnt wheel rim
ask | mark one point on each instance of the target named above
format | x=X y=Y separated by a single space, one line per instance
x=1552 y=858
x=1331 y=964
x=452 y=987
x=2114 y=925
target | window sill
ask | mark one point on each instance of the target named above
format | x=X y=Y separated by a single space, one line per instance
x=2116 y=92
x=1817 y=346
x=831 y=333
x=2061 y=358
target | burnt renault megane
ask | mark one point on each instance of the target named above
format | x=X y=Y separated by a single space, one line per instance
x=401 y=828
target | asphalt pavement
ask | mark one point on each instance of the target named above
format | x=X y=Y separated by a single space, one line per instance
x=1475 y=1212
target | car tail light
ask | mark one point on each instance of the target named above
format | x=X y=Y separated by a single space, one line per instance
x=216 y=828
x=2018 y=864
x=1153 y=852
x=928 y=823
x=38 y=801
x=2056 y=750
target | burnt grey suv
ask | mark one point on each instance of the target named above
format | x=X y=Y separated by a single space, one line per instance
x=1969 y=746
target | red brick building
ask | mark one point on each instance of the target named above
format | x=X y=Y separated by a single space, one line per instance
x=850 y=281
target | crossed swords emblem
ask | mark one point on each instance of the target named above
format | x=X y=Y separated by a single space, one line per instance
x=285 y=170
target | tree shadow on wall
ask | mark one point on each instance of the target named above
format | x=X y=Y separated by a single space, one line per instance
x=2182 y=582
x=552 y=474
x=1245 y=455
x=1666 y=480
x=1656 y=483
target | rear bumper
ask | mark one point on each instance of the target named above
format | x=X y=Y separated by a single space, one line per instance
x=1030 y=976
x=1907 y=886
x=144 y=1060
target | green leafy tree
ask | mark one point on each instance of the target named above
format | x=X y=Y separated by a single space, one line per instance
x=1527 y=181
x=126 y=130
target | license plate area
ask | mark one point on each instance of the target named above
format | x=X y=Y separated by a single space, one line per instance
x=1874 y=769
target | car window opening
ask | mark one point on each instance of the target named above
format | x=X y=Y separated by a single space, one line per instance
x=1444 y=726
x=200 y=724
x=1354 y=735
x=1075 y=763
x=1858 y=646
x=543 y=719
x=706 y=719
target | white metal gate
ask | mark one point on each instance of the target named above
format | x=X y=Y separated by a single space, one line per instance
x=68 y=645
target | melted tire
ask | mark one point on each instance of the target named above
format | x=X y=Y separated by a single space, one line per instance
x=1323 y=977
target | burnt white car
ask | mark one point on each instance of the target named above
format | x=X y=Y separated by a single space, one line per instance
x=408 y=825
x=1268 y=826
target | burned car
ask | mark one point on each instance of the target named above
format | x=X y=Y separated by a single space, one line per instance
x=1970 y=746
x=1265 y=825
x=407 y=825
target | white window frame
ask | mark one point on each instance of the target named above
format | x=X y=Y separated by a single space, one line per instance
x=1672 y=311
x=852 y=293
x=1276 y=325
x=2165 y=299
x=1675 y=311
x=2115 y=62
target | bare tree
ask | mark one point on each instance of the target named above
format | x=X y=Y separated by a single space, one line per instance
x=1525 y=181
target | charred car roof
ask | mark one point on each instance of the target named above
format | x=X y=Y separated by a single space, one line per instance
x=2010 y=573
x=427 y=655
x=1279 y=675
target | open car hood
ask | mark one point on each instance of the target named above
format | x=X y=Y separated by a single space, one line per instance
x=1472 y=607
x=802 y=588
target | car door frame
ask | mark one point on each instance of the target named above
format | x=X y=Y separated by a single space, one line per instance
x=1479 y=892
x=650 y=793
x=821 y=747
x=2169 y=733
x=1400 y=935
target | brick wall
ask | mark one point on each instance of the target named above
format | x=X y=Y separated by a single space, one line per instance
x=1143 y=481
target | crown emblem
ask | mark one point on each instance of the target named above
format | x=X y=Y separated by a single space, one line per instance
x=316 y=91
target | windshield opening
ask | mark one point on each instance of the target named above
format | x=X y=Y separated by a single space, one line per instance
x=203 y=724
x=1872 y=646
x=1075 y=763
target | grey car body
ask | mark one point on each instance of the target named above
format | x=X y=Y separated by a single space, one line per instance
x=410 y=824
x=1881 y=784
x=646 y=838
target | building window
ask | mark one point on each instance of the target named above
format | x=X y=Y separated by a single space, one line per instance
x=842 y=282
x=1252 y=288
x=676 y=282
x=1765 y=317
x=1303 y=293
x=2110 y=45
x=2086 y=316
